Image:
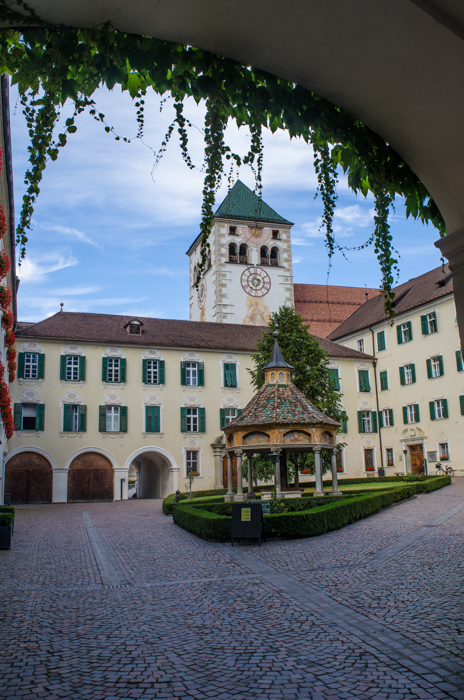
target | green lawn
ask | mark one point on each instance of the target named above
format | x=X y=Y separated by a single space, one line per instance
x=384 y=485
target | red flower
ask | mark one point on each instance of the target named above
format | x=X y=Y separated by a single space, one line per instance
x=7 y=320
x=5 y=297
x=5 y=264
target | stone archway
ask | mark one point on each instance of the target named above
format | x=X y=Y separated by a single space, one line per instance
x=90 y=478
x=29 y=478
x=155 y=472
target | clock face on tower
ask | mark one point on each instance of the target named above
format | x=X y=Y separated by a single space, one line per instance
x=202 y=293
x=256 y=282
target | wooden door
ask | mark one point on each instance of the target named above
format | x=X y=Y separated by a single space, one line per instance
x=90 y=478
x=29 y=478
x=234 y=472
x=417 y=459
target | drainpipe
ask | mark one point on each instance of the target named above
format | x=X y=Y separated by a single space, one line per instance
x=377 y=398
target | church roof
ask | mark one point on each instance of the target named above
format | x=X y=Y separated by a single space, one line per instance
x=280 y=403
x=241 y=203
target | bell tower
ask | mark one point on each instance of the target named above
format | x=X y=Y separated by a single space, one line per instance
x=249 y=272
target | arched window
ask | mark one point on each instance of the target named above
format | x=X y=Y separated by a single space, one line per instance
x=274 y=256
x=208 y=264
x=233 y=253
x=264 y=255
x=243 y=253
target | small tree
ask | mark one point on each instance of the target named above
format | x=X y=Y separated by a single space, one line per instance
x=190 y=477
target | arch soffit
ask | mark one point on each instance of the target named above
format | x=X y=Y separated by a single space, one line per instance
x=152 y=448
x=106 y=454
x=39 y=451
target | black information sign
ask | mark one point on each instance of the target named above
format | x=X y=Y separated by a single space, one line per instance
x=247 y=521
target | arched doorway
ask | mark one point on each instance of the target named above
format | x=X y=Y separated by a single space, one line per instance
x=29 y=478
x=90 y=478
x=154 y=474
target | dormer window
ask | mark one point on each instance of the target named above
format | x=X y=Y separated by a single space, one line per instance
x=134 y=327
x=233 y=231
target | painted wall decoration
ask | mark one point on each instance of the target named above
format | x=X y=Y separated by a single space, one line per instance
x=297 y=436
x=202 y=290
x=256 y=438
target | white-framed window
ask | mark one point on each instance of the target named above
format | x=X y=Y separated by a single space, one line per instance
x=113 y=369
x=230 y=414
x=367 y=421
x=408 y=374
x=411 y=413
x=74 y=418
x=360 y=345
x=390 y=456
x=112 y=419
x=191 y=374
x=369 y=459
x=406 y=332
x=192 y=461
x=386 y=413
x=432 y=322
x=192 y=420
x=439 y=408
x=443 y=450
x=29 y=416
x=435 y=362
x=72 y=368
x=31 y=364
x=152 y=371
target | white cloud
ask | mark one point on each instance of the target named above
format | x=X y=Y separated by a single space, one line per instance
x=73 y=232
x=354 y=215
x=37 y=270
x=298 y=260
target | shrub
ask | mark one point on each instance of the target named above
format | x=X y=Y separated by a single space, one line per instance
x=6 y=519
x=7 y=509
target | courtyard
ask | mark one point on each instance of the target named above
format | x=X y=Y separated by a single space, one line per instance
x=113 y=601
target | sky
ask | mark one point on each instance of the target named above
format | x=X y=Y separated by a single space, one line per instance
x=110 y=235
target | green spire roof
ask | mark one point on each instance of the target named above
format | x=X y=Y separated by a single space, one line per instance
x=241 y=203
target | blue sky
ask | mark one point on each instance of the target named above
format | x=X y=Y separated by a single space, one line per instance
x=110 y=236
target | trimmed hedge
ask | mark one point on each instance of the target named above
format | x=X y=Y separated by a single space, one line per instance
x=170 y=501
x=8 y=509
x=202 y=521
x=6 y=519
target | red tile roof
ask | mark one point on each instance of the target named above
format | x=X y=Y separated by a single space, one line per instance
x=325 y=307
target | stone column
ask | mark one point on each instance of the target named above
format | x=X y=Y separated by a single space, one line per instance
x=283 y=471
x=218 y=478
x=297 y=477
x=278 y=486
x=239 y=496
x=318 y=464
x=333 y=459
x=452 y=247
x=229 y=497
x=250 y=493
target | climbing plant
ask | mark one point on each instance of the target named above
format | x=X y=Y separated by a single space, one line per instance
x=55 y=64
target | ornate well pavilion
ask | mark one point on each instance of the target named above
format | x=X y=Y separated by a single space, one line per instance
x=279 y=420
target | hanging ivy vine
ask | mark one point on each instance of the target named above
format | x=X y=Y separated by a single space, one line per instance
x=55 y=64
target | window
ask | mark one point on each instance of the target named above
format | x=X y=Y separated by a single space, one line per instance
x=113 y=369
x=411 y=413
x=435 y=367
x=230 y=375
x=360 y=345
x=274 y=256
x=233 y=231
x=135 y=328
x=367 y=421
x=369 y=460
x=343 y=423
x=459 y=365
x=226 y=415
x=153 y=371
x=335 y=378
x=233 y=253
x=29 y=416
x=264 y=255
x=192 y=374
x=192 y=461
x=438 y=409
x=443 y=450
x=381 y=341
x=152 y=419
x=429 y=323
x=72 y=368
x=404 y=332
x=407 y=374
x=389 y=452
x=383 y=381
x=192 y=420
x=113 y=419
x=31 y=365
x=363 y=376
x=243 y=254
x=74 y=418
x=386 y=418
x=276 y=235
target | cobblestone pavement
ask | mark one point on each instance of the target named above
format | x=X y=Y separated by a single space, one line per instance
x=113 y=602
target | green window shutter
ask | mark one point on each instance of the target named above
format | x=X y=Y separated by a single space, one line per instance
x=360 y=422
x=380 y=419
x=104 y=369
x=144 y=372
x=21 y=362
x=201 y=420
x=160 y=371
x=102 y=417
x=343 y=422
x=335 y=378
x=402 y=376
x=461 y=403
x=390 y=410
x=40 y=366
x=429 y=369
x=232 y=374
x=413 y=373
x=201 y=373
x=123 y=419
x=374 y=421
x=67 y=417
x=40 y=421
x=122 y=371
x=383 y=381
x=156 y=419
x=364 y=380
x=432 y=410
x=239 y=410
x=425 y=325
x=183 y=374
x=440 y=364
x=222 y=417
x=381 y=341
x=63 y=359
x=399 y=335
x=152 y=419
x=459 y=364
x=416 y=413
x=445 y=408
x=409 y=324
x=183 y=420
x=405 y=415
x=436 y=321
x=81 y=368
x=82 y=418
x=18 y=414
